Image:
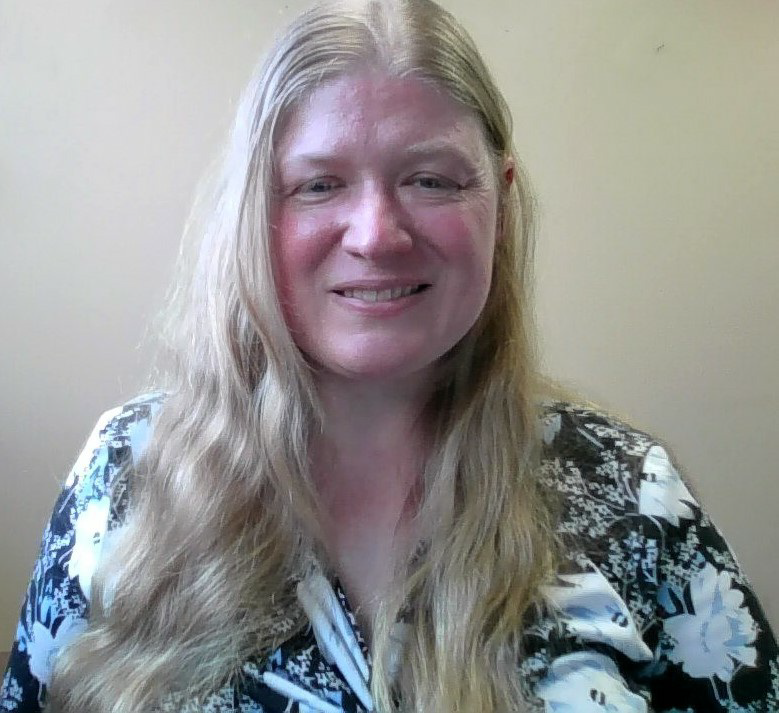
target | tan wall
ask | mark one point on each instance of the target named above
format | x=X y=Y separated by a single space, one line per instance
x=649 y=130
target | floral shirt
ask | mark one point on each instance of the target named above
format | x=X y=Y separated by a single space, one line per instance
x=654 y=612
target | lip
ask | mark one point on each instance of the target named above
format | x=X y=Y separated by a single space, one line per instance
x=379 y=284
x=389 y=308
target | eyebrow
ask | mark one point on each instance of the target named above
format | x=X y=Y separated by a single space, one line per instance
x=433 y=148
x=438 y=147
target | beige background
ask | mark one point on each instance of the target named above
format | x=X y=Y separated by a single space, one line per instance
x=649 y=129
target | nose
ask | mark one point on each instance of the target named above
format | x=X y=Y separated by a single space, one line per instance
x=376 y=226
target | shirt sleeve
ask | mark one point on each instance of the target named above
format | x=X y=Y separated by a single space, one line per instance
x=713 y=649
x=56 y=604
x=650 y=610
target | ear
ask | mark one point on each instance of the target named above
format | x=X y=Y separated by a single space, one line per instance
x=507 y=175
x=505 y=180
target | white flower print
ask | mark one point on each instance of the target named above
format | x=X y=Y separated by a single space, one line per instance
x=662 y=492
x=42 y=646
x=550 y=426
x=718 y=633
x=593 y=611
x=90 y=527
x=587 y=682
x=634 y=589
x=336 y=640
x=11 y=692
x=91 y=449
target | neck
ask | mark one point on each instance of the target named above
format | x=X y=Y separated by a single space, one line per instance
x=372 y=435
x=367 y=464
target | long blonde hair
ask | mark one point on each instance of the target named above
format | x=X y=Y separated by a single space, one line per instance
x=203 y=573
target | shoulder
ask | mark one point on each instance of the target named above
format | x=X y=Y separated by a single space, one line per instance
x=94 y=493
x=620 y=470
x=594 y=464
x=622 y=502
x=588 y=431
x=621 y=495
x=119 y=433
x=644 y=573
x=57 y=603
x=94 y=496
x=97 y=486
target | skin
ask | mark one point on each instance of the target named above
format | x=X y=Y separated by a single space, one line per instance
x=381 y=183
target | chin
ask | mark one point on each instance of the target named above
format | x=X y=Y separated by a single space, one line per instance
x=376 y=372
x=383 y=367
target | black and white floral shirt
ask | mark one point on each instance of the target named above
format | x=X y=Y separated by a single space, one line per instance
x=656 y=612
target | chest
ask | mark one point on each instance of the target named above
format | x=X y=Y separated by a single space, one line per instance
x=365 y=570
x=364 y=555
x=366 y=531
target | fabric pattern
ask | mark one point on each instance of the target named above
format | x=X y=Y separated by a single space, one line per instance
x=653 y=612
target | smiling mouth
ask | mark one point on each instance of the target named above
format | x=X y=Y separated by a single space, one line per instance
x=387 y=295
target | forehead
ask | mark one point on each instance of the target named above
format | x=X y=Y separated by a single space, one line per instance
x=372 y=113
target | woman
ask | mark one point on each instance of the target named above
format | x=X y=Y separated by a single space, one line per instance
x=354 y=492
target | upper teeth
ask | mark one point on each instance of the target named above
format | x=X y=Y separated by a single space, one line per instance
x=392 y=293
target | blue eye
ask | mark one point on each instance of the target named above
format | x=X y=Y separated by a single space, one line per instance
x=317 y=190
x=429 y=182
x=318 y=185
x=434 y=183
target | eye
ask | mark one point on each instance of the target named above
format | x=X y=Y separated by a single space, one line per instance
x=433 y=182
x=319 y=186
x=316 y=190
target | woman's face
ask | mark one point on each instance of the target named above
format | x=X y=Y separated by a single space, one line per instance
x=384 y=225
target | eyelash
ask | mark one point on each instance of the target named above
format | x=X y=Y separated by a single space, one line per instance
x=307 y=187
x=330 y=184
x=443 y=183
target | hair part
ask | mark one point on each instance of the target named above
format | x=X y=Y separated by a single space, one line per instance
x=222 y=521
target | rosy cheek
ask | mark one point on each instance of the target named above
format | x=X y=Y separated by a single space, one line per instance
x=295 y=238
x=302 y=236
x=454 y=232
x=300 y=246
x=285 y=251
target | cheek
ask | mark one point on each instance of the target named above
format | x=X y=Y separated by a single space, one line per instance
x=289 y=260
x=464 y=238
x=296 y=252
